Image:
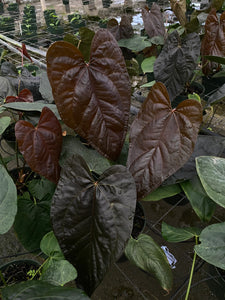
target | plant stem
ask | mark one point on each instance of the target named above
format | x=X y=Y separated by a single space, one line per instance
x=3 y=279
x=38 y=270
x=192 y=271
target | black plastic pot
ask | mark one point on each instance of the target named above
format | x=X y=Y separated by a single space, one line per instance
x=1 y=8
x=17 y=271
x=106 y=3
x=13 y=10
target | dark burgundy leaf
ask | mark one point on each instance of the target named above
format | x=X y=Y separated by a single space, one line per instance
x=124 y=30
x=24 y=96
x=153 y=21
x=25 y=53
x=161 y=138
x=93 y=220
x=177 y=61
x=41 y=145
x=213 y=42
x=94 y=98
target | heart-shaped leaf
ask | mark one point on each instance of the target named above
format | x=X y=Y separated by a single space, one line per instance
x=24 y=96
x=124 y=30
x=94 y=98
x=212 y=247
x=38 y=289
x=176 y=235
x=153 y=21
x=211 y=173
x=50 y=246
x=58 y=272
x=92 y=220
x=213 y=42
x=161 y=138
x=179 y=59
x=41 y=145
x=8 y=201
x=32 y=220
x=147 y=255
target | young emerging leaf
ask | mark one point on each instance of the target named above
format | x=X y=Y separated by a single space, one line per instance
x=41 y=145
x=94 y=98
x=212 y=247
x=153 y=21
x=93 y=220
x=211 y=173
x=177 y=61
x=161 y=139
x=124 y=30
x=147 y=255
x=24 y=96
x=213 y=42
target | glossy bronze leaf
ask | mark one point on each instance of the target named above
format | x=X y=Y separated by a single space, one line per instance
x=93 y=220
x=213 y=42
x=179 y=9
x=94 y=98
x=153 y=21
x=161 y=138
x=124 y=30
x=177 y=61
x=24 y=96
x=41 y=145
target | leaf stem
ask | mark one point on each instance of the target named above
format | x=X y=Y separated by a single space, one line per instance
x=39 y=269
x=192 y=271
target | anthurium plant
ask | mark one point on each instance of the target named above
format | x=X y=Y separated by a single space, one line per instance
x=81 y=192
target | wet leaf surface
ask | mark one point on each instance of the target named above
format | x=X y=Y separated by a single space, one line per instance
x=161 y=139
x=94 y=98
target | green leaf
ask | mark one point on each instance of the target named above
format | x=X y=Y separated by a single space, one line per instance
x=157 y=40
x=50 y=246
x=212 y=247
x=58 y=272
x=163 y=192
x=148 y=256
x=217 y=59
x=211 y=171
x=176 y=235
x=4 y=123
x=95 y=161
x=8 y=201
x=136 y=43
x=147 y=64
x=148 y=84
x=2 y=109
x=37 y=289
x=203 y=206
x=39 y=188
x=32 y=221
x=34 y=106
x=195 y=97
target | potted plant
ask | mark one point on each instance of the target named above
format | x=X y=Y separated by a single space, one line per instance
x=7 y=25
x=13 y=9
x=76 y=20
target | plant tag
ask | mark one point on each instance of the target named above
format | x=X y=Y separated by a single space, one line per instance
x=170 y=257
